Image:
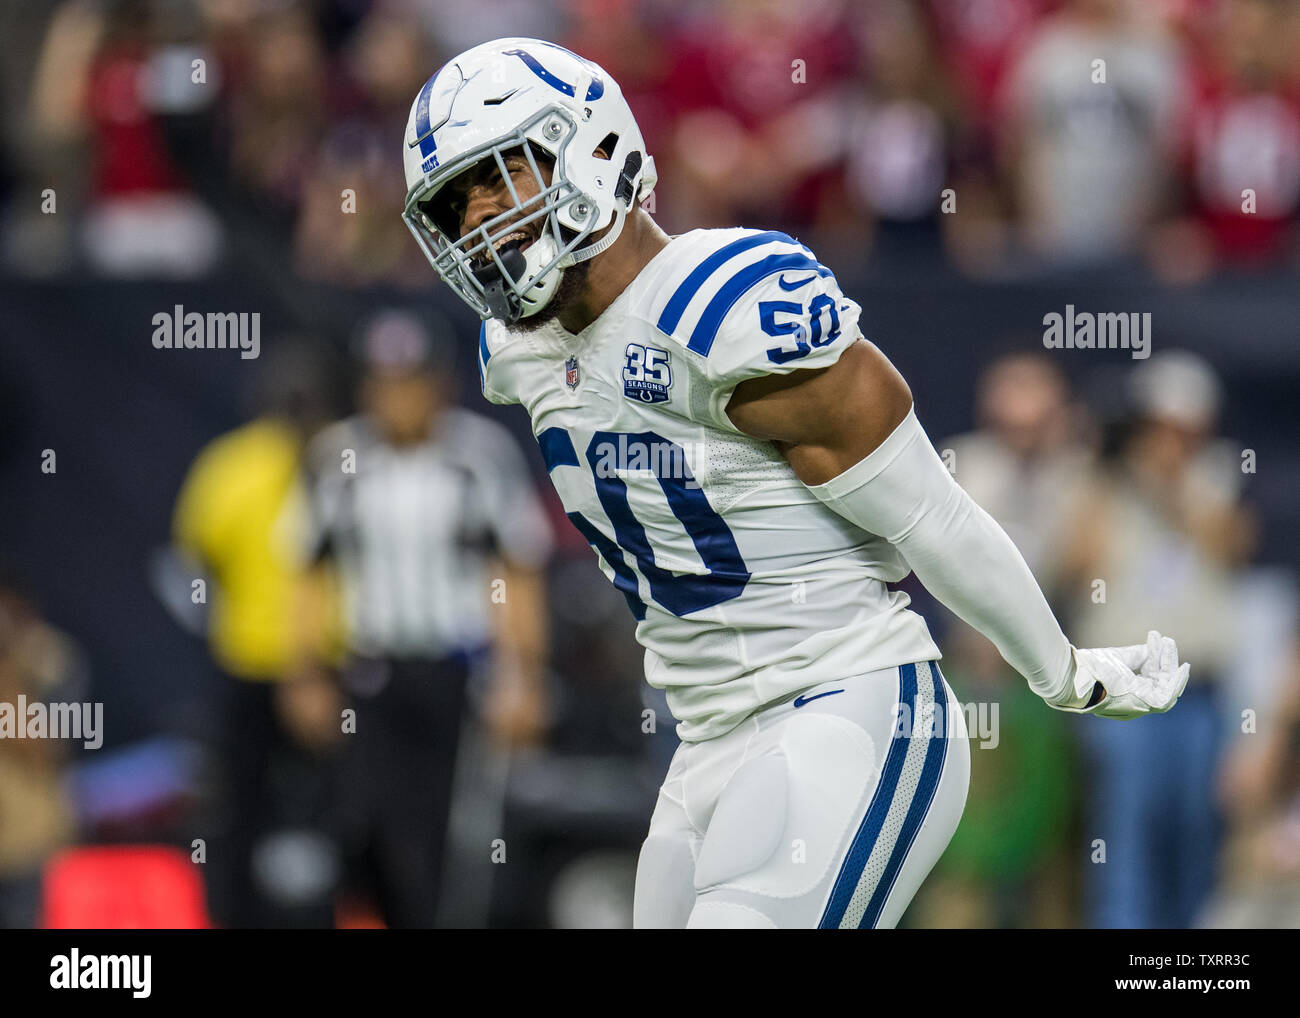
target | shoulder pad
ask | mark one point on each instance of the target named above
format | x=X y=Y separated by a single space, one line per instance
x=753 y=303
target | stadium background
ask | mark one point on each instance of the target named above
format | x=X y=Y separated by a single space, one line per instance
x=837 y=121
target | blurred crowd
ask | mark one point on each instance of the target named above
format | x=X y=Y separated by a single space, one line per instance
x=1010 y=135
x=1136 y=516
x=361 y=555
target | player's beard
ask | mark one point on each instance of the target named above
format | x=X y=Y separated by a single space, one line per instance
x=572 y=282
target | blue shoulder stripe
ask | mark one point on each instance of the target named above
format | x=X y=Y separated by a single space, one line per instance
x=557 y=449
x=483 y=354
x=690 y=286
x=706 y=329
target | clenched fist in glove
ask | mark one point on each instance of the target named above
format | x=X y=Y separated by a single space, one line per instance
x=1127 y=682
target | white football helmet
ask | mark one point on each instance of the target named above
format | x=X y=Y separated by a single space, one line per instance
x=530 y=96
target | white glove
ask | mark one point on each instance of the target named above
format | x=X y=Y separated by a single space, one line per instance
x=1142 y=679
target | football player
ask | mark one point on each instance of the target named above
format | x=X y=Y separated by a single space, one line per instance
x=751 y=473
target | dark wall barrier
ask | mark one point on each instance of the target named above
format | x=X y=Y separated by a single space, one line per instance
x=79 y=375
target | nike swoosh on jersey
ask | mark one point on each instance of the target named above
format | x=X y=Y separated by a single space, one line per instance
x=794 y=286
x=800 y=700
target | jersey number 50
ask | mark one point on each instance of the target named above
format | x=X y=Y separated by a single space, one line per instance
x=805 y=339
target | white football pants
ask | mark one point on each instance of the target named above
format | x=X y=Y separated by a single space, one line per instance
x=824 y=811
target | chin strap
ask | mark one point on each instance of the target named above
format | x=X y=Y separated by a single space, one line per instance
x=624 y=193
x=591 y=250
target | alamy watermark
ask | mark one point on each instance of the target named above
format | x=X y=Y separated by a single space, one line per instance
x=38 y=720
x=666 y=460
x=179 y=329
x=981 y=722
x=77 y=971
x=1083 y=330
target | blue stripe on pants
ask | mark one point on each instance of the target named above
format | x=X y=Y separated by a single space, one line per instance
x=869 y=830
x=864 y=841
x=925 y=789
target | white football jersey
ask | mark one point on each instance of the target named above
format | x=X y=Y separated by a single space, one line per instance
x=745 y=587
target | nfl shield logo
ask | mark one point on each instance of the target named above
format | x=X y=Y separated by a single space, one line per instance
x=571 y=375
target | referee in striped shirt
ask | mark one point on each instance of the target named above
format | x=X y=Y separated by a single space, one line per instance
x=432 y=522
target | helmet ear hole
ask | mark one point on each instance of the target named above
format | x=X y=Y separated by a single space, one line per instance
x=605 y=150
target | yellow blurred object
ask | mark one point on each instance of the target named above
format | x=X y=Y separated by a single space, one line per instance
x=239 y=514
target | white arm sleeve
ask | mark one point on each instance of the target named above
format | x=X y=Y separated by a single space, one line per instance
x=903 y=493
